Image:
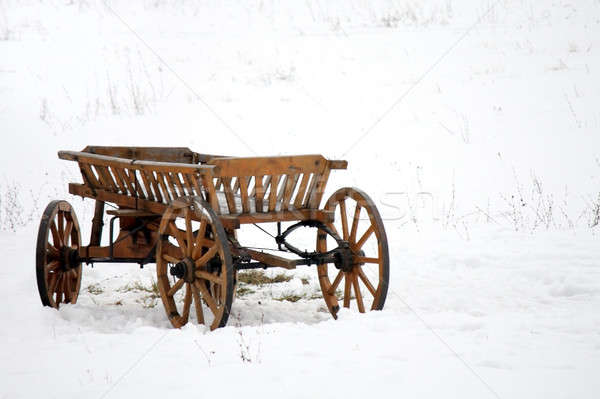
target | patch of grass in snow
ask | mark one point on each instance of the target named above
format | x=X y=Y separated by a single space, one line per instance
x=153 y=294
x=258 y=277
x=243 y=290
x=289 y=298
x=94 y=289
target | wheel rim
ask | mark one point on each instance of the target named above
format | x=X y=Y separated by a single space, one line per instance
x=366 y=283
x=193 y=264
x=58 y=268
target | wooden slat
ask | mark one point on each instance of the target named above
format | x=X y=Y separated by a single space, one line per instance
x=289 y=190
x=89 y=176
x=172 y=186
x=163 y=185
x=211 y=193
x=132 y=175
x=187 y=183
x=229 y=195
x=258 y=193
x=147 y=185
x=175 y=178
x=154 y=183
x=281 y=187
x=106 y=178
x=195 y=179
x=273 y=192
x=311 y=188
x=317 y=193
x=299 y=201
x=244 y=193
x=272 y=260
x=128 y=187
x=119 y=179
x=236 y=185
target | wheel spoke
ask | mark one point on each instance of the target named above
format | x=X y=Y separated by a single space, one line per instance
x=176 y=287
x=187 y=301
x=52 y=252
x=336 y=282
x=52 y=282
x=59 y=288
x=207 y=256
x=197 y=304
x=68 y=231
x=364 y=259
x=53 y=266
x=188 y=231
x=208 y=276
x=199 y=239
x=364 y=238
x=207 y=297
x=365 y=280
x=55 y=236
x=344 y=218
x=355 y=220
x=347 y=282
x=359 y=300
x=170 y=258
x=61 y=226
x=178 y=236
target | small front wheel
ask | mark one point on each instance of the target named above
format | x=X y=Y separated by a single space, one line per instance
x=58 y=268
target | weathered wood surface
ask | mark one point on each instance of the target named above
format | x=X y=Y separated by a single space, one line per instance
x=251 y=190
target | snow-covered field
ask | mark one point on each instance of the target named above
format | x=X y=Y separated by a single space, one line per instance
x=474 y=125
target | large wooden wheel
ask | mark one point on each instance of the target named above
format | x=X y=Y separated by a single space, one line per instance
x=193 y=264
x=58 y=268
x=363 y=280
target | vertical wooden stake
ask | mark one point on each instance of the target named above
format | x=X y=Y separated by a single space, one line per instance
x=97 y=223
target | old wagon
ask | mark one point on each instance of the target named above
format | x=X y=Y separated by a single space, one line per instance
x=182 y=210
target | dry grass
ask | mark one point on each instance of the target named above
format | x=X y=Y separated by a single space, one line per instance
x=258 y=277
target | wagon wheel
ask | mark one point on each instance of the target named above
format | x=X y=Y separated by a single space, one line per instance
x=193 y=264
x=365 y=278
x=58 y=268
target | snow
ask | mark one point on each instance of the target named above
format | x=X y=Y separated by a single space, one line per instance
x=485 y=170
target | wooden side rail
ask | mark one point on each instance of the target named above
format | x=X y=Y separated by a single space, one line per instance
x=273 y=184
x=147 y=180
x=158 y=154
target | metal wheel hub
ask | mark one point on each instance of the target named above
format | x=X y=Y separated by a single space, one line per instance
x=184 y=269
x=343 y=257
x=69 y=258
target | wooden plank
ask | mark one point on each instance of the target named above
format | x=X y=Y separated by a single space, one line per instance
x=244 y=193
x=229 y=195
x=279 y=165
x=132 y=175
x=163 y=185
x=88 y=176
x=258 y=193
x=106 y=178
x=311 y=188
x=147 y=185
x=102 y=160
x=289 y=190
x=150 y=175
x=211 y=193
x=299 y=201
x=273 y=192
x=317 y=193
x=282 y=216
x=187 y=184
x=337 y=164
x=272 y=260
x=126 y=184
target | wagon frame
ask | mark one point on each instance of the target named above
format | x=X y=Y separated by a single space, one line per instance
x=181 y=210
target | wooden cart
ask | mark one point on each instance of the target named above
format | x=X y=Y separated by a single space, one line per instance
x=180 y=210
